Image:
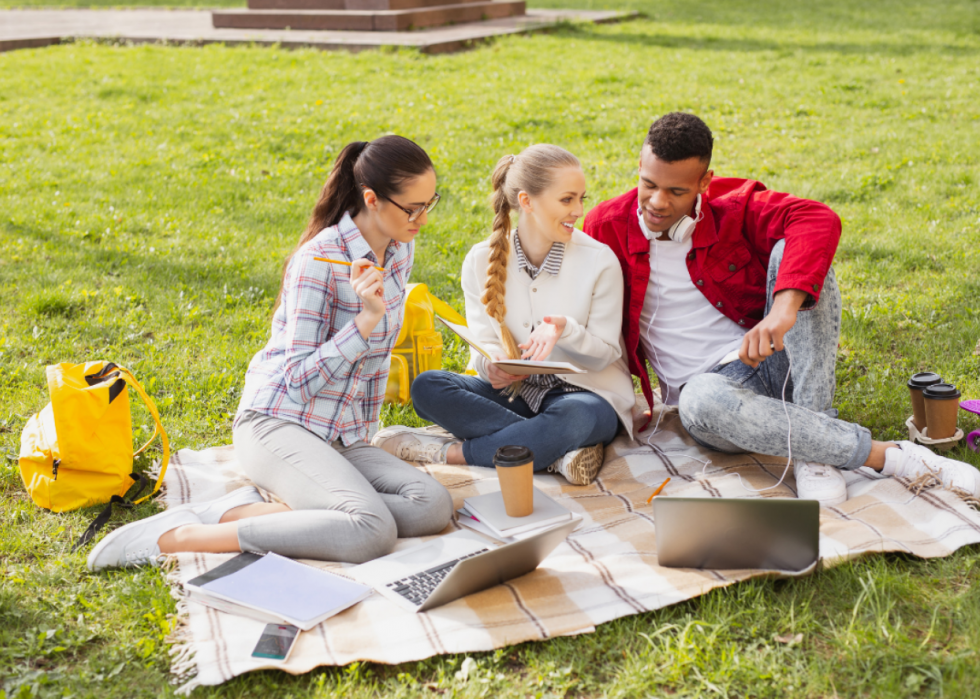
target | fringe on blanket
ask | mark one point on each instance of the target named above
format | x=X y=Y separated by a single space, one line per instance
x=183 y=664
x=927 y=481
x=153 y=473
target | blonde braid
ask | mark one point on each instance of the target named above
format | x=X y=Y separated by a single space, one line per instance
x=494 y=291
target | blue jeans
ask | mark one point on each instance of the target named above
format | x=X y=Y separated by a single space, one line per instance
x=485 y=419
x=735 y=408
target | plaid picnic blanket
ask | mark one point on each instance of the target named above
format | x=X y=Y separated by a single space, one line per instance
x=605 y=570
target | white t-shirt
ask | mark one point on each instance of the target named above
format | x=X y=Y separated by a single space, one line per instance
x=682 y=333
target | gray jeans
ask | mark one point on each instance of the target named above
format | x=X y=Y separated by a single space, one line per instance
x=736 y=408
x=349 y=503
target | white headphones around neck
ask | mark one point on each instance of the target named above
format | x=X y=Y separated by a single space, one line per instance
x=682 y=231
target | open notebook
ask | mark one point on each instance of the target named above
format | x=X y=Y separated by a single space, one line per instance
x=516 y=367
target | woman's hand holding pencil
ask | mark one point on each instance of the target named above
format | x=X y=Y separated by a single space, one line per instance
x=369 y=286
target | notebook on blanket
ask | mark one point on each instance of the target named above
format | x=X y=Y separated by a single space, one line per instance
x=276 y=589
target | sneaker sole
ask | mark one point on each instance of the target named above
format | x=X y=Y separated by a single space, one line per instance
x=585 y=467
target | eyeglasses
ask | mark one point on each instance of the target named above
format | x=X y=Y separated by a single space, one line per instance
x=415 y=213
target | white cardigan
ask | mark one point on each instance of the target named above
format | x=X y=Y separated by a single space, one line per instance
x=588 y=291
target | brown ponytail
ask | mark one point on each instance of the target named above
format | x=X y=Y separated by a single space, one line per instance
x=531 y=171
x=384 y=165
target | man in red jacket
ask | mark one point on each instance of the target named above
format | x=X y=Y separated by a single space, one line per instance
x=730 y=295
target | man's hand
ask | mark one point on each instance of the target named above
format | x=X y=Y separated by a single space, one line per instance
x=767 y=337
x=498 y=377
x=543 y=339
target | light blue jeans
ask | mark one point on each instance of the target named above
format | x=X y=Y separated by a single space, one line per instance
x=735 y=408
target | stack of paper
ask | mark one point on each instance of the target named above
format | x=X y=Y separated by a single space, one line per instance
x=486 y=514
x=276 y=589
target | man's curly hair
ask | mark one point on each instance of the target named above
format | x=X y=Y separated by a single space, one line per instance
x=679 y=136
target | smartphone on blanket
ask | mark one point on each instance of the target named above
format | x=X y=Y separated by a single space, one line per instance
x=276 y=642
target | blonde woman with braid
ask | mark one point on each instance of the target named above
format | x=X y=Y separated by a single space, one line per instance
x=542 y=290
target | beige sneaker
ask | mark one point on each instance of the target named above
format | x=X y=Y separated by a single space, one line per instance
x=423 y=445
x=580 y=466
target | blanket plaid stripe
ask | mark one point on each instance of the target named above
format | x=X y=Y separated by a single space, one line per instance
x=606 y=569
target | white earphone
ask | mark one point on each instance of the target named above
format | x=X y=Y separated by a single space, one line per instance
x=682 y=230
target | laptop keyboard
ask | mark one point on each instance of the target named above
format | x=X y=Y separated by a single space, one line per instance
x=417 y=587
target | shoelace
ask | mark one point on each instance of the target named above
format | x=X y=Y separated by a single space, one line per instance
x=932 y=470
x=417 y=452
x=138 y=556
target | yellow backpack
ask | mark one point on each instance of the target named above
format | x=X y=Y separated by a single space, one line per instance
x=78 y=451
x=419 y=345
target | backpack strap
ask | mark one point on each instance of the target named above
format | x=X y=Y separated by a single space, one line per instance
x=157 y=429
x=441 y=308
x=104 y=516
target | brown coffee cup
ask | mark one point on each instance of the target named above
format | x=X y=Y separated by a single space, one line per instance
x=916 y=384
x=941 y=404
x=515 y=471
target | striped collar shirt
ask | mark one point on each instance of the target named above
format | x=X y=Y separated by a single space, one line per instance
x=316 y=370
x=536 y=386
x=551 y=264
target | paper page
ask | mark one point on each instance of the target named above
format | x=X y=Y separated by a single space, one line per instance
x=476 y=525
x=525 y=367
x=517 y=367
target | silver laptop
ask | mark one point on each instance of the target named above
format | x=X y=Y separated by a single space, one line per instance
x=458 y=564
x=718 y=533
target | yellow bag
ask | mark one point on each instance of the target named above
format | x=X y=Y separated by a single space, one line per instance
x=419 y=345
x=78 y=450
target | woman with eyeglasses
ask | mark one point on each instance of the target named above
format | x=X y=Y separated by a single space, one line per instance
x=313 y=394
x=542 y=290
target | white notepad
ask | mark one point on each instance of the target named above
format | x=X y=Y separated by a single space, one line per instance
x=489 y=510
x=276 y=589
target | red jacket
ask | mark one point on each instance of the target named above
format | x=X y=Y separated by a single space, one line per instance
x=729 y=261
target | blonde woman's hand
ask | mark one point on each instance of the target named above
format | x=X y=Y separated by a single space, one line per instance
x=538 y=347
x=498 y=377
x=369 y=286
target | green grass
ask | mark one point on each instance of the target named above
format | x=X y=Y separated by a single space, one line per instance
x=150 y=195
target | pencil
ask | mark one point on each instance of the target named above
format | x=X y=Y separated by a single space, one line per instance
x=657 y=491
x=341 y=262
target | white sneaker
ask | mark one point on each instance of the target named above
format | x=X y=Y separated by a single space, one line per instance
x=136 y=543
x=424 y=445
x=580 y=466
x=819 y=482
x=926 y=468
x=212 y=511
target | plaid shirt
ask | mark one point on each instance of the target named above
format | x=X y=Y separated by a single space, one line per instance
x=536 y=386
x=316 y=369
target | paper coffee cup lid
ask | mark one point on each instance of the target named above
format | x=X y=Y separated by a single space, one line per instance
x=512 y=456
x=923 y=379
x=941 y=391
